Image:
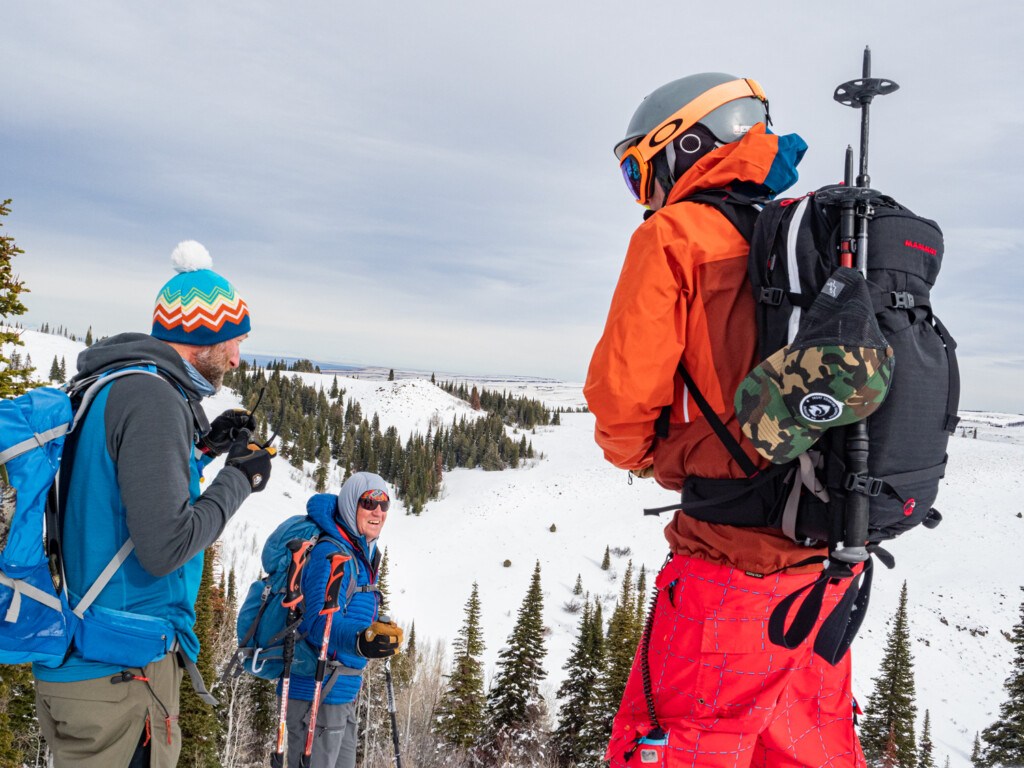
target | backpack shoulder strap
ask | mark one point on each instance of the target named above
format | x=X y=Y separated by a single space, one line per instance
x=742 y=212
x=723 y=434
x=375 y=563
x=351 y=567
x=88 y=394
x=739 y=210
x=87 y=390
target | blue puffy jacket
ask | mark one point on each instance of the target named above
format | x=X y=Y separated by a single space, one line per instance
x=336 y=516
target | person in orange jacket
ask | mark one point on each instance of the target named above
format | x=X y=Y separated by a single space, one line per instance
x=707 y=687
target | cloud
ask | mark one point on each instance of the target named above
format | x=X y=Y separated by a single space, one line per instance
x=449 y=165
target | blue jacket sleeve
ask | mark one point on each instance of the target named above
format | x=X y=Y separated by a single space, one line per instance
x=314 y=585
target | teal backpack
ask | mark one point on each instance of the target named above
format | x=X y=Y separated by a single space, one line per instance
x=262 y=624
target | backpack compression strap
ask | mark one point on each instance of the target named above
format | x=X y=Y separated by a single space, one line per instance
x=840 y=626
x=38 y=440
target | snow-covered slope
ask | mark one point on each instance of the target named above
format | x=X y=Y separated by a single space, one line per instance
x=964 y=578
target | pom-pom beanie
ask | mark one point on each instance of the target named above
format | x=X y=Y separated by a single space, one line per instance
x=197 y=306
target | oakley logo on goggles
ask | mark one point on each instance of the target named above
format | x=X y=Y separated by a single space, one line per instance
x=635 y=162
x=372 y=499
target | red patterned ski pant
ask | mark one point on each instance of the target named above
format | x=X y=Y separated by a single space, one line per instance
x=724 y=694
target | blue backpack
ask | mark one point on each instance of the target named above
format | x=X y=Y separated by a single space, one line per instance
x=262 y=624
x=36 y=622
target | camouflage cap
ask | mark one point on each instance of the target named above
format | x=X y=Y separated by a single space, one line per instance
x=836 y=371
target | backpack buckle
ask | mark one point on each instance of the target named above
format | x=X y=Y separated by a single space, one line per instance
x=901 y=300
x=865 y=484
x=772 y=296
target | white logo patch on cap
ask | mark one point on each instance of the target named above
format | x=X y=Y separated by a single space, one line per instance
x=820 y=408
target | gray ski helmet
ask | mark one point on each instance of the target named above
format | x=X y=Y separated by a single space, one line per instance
x=727 y=123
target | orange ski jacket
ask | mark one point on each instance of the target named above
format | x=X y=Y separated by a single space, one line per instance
x=684 y=293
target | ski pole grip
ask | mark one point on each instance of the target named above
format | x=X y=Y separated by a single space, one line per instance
x=338 y=561
x=299 y=549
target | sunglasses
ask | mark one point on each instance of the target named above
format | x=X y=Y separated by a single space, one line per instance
x=635 y=162
x=373 y=499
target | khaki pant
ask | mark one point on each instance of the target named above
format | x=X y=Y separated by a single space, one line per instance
x=97 y=724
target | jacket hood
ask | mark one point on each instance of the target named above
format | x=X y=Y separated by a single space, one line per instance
x=125 y=348
x=329 y=510
x=761 y=162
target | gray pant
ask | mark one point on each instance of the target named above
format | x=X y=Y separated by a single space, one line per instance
x=334 y=740
x=98 y=724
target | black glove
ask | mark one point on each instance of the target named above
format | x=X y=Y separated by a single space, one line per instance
x=379 y=640
x=253 y=461
x=227 y=429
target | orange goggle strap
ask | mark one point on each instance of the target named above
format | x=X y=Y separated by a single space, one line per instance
x=693 y=113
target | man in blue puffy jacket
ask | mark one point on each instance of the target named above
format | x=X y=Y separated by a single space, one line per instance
x=351 y=522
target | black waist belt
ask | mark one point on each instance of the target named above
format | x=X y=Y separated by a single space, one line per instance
x=750 y=503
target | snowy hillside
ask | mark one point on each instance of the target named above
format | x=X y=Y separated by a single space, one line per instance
x=964 y=578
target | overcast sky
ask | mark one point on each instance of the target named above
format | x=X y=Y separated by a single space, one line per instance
x=431 y=185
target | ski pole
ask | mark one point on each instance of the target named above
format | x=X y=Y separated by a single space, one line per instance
x=392 y=709
x=331 y=606
x=858 y=204
x=299 y=549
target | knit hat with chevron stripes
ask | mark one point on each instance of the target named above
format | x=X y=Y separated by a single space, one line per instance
x=197 y=306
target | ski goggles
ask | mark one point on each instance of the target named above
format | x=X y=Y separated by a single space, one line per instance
x=635 y=162
x=373 y=499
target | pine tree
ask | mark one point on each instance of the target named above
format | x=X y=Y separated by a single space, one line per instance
x=55 y=371
x=474 y=399
x=977 y=758
x=606 y=561
x=263 y=720
x=460 y=713
x=88 y=337
x=641 y=597
x=592 y=739
x=1005 y=737
x=925 y=757
x=926 y=747
x=403 y=667
x=383 y=585
x=323 y=469
x=577 y=690
x=14 y=376
x=200 y=728
x=577 y=588
x=619 y=649
x=391 y=375
x=891 y=707
x=515 y=707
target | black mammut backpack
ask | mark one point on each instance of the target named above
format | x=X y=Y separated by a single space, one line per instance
x=794 y=249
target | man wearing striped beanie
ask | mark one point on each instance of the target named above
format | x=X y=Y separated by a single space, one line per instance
x=132 y=511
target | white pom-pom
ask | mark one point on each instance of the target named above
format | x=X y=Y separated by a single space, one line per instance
x=190 y=256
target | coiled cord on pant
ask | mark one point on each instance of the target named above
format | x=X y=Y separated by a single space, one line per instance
x=645 y=664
